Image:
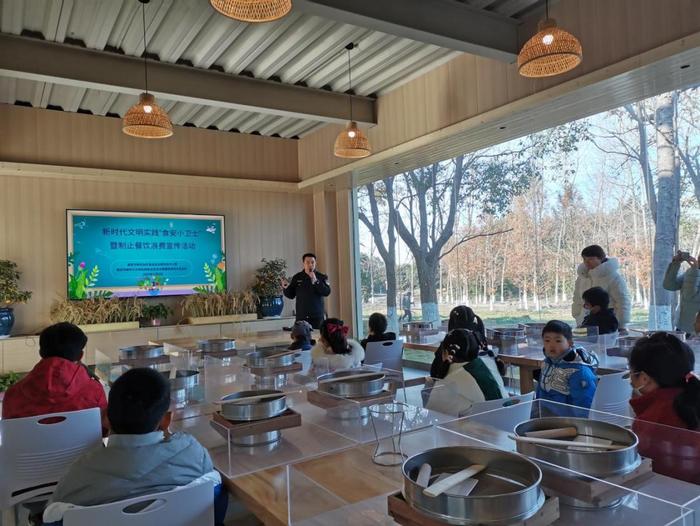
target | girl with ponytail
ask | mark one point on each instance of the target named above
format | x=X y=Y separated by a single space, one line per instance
x=334 y=349
x=667 y=392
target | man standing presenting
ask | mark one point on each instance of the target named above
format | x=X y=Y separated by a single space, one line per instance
x=309 y=287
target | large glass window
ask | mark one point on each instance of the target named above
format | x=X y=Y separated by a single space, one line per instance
x=502 y=229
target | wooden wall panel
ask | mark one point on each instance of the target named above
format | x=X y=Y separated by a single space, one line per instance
x=33 y=233
x=609 y=30
x=31 y=135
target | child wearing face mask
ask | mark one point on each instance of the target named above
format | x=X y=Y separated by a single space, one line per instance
x=596 y=303
x=568 y=375
x=666 y=392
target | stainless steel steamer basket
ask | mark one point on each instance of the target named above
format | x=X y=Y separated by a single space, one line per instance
x=354 y=387
x=255 y=410
x=261 y=360
x=600 y=464
x=217 y=345
x=508 y=489
x=141 y=352
x=184 y=379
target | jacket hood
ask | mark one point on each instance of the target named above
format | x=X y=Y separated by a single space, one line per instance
x=54 y=380
x=606 y=268
x=575 y=356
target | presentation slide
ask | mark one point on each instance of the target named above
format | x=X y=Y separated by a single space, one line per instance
x=144 y=254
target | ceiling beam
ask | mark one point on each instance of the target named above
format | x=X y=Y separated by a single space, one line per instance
x=443 y=23
x=34 y=59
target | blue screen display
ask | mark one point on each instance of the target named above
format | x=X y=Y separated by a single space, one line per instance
x=144 y=254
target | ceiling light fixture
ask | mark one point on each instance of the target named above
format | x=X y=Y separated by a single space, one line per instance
x=351 y=143
x=254 y=11
x=552 y=51
x=146 y=120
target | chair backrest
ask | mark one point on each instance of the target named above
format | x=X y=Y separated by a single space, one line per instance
x=612 y=395
x=390 y=353
x=184 y=506
x=511 y=411
x=36 y=451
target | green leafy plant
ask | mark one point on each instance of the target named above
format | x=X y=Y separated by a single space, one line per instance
x=10 y=292
x=80 y=281
x=268 y=278
x=9 y=379
x=159 y=311
x=97 y=310
x=210 y=303
x=216 y=276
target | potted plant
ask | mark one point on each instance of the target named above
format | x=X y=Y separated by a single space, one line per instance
x=153 y=315
x=268 y=286
x=99 y=314
x=209 y=306
x=10 y=294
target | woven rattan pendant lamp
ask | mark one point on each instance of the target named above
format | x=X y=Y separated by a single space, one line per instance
x=146 y=120
x=552 y=51
x=351 y=143
x=252 y=10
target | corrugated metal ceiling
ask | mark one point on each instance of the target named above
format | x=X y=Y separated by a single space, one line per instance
x=299 y=49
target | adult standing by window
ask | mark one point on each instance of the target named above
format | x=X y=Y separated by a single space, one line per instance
x=689 y=285
x=598 y=270
x=309 y=287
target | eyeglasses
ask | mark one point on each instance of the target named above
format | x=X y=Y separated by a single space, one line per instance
x=631 y=374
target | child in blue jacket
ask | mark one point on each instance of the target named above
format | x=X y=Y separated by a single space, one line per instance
x=568 y=375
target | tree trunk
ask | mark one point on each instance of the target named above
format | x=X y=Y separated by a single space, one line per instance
x=427 y=271
x=667 y=210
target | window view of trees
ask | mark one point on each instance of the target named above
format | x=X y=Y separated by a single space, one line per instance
x=502 y=229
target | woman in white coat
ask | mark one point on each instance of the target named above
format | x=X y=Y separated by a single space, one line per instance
x=598 y=270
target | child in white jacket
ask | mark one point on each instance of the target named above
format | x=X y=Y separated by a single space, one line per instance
x=334 y=350
x=462 y=378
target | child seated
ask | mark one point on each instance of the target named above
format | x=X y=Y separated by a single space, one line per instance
x=334 y=349
x=463 y=317
x=667 y=392
x=301 y=336
x=59 y=382
x=377 y=330
x=461 y=376
x=141 y=456
x=596 y=300
x=568 y=375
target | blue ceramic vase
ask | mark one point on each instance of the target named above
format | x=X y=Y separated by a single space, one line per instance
x=271 y=306
x=7 y=320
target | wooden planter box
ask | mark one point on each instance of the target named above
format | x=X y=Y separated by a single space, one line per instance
x=106 y=327
x=208 y=320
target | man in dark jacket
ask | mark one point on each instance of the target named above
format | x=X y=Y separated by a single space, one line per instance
x=309 y=287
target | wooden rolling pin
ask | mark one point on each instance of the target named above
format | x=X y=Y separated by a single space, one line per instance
x=559 y=432
x=445 y=484
x=564 y=443
x=423 y=478
x=250 y=399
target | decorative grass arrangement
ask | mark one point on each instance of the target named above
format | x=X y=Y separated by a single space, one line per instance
x=97 y=310
x=208 y=304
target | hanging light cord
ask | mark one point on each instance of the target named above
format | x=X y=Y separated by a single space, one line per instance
x=546 y=9
x=350 y=47
x=145 y=63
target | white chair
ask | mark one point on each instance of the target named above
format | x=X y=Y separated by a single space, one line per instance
x=36 y=451
x=390 y=353
x=186 y=506
x=503 y=414
x=612 y=395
